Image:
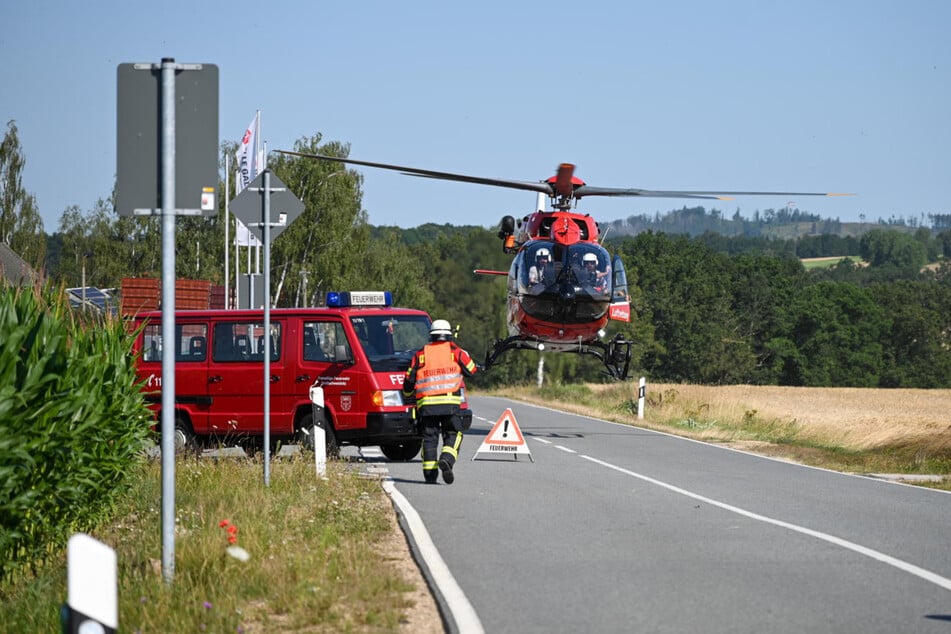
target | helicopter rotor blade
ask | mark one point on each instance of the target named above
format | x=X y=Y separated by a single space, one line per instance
x=541 y=187
x=563 y=185
x=586 y=190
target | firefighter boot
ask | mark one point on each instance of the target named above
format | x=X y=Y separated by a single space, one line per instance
x=450 y=451
x=446 y=467
x=430 y=472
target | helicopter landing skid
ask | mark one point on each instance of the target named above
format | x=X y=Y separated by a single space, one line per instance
x=615 y=354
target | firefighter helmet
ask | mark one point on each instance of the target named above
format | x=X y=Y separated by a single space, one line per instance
x=440 y=331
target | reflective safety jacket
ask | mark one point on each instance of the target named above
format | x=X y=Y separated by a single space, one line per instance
x=435 y=375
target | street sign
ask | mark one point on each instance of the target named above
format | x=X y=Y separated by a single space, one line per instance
x=139 y=151
x=248 y=206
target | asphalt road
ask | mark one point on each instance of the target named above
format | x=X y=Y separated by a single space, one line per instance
x=619 y=529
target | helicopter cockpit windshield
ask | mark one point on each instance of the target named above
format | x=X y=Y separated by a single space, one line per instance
x=568 y=284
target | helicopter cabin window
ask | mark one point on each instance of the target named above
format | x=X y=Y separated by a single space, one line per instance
x=591 y=269
x=619 y=290
x=541 y=265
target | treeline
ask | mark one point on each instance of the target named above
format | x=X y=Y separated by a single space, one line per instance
x=695 y=221
x=762 y=318
x=714 y=308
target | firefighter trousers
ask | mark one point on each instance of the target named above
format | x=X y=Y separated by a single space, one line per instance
x=433 y=427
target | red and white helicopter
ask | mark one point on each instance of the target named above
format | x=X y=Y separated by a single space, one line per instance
x=563 y=286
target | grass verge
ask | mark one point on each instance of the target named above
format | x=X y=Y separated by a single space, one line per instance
x=315 y=564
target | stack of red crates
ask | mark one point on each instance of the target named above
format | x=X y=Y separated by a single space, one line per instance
x=145 y=293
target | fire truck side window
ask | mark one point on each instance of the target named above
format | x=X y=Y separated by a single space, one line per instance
x=191 y=343
x=244 y=341
x=321 y=339
x=152 y=343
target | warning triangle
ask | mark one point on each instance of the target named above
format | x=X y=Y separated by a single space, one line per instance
x=505 y=438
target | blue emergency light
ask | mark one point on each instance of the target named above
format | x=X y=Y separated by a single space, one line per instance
x=344 y=299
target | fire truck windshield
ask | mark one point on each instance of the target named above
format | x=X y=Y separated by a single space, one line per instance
x=390 y=341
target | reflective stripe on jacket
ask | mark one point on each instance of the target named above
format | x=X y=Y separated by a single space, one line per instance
x=438 y=378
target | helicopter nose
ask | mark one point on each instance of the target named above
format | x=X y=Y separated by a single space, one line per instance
x=566 y=292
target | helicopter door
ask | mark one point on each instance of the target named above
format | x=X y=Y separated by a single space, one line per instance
x=620 y=298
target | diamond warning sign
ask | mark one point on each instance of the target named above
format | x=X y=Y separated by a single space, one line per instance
x=505 y=438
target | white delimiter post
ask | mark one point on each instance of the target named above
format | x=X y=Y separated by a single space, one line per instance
x=641 y=390
x=320 y=438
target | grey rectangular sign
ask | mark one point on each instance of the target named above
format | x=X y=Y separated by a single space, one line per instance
x=139 y=134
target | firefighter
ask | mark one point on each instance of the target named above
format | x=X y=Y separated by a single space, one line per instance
x=435 y=379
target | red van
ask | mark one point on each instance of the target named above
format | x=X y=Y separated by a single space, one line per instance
x=357 y=348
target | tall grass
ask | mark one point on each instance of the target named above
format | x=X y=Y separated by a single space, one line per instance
x=314 y=561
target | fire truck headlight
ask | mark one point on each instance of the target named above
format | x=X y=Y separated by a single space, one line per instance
x=387 y=398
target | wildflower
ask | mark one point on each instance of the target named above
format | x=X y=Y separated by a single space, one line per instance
x=207 y=605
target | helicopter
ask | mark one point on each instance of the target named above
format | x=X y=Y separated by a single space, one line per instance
x=563 y=285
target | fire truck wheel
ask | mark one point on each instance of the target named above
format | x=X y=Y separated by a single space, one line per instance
x=400 y=451
x=306 y=439
x=185 y=440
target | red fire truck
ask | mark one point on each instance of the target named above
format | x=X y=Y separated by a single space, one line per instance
x=357 y=348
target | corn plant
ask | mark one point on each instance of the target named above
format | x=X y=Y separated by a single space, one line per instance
x=72 y=422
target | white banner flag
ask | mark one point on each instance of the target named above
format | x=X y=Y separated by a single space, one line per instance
x=247 y=156
x=250 y=163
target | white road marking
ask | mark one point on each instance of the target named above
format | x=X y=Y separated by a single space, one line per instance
x=565 y=449
x=904 y=566
x=464 y=615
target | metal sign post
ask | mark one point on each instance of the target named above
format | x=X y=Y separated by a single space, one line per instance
x=144 y=188
x=257 y=215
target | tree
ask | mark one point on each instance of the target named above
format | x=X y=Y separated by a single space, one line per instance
x=687 y=291
x=761 y=286
x=917 y=340
x=21 y=227
x=836 y=329
x=882 y=248
x=329 y=247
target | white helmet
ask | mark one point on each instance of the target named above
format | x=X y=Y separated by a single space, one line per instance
x=590 y=257
x=542 y=253
x=440 y=330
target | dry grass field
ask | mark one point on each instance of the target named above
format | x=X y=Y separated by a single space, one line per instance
x=850 y=429
x=852 y=418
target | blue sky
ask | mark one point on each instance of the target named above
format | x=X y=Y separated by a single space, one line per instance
x=845 y=96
